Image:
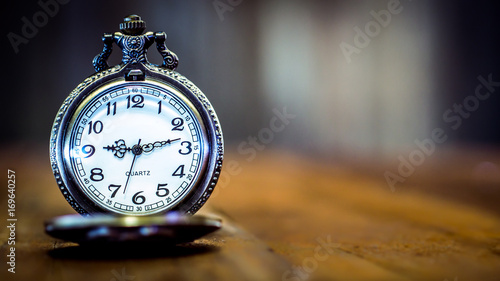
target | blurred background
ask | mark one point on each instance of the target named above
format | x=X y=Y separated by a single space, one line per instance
x=318 y=101
x=353 y=95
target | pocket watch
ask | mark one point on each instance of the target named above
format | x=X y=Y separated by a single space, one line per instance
x=136 y=139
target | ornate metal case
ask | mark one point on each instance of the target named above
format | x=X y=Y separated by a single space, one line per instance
x=135 y=68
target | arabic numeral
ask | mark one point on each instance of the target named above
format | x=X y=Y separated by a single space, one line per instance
x=95 y=127
x=138 y=199
x=88 y=150
x=161 y=191
x=177 y=123
x=116 y=190
x=111 y=108
x=96 y=174
x=136 y=101
x=188 y=148
x=179 y=172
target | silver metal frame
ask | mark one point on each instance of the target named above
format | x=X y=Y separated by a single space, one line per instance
x=208 y=177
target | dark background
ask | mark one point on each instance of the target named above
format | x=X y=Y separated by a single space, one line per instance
x=265 y=55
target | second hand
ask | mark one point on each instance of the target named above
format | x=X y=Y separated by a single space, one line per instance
x=136 y=150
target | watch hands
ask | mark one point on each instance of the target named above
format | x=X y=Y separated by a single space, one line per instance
x=157 y=144
x=119 y=149
x=136 y=150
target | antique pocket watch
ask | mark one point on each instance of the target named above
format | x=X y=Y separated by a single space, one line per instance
x=136 y=139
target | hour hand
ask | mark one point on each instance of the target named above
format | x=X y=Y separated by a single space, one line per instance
x=157 y=144
x=119 y=148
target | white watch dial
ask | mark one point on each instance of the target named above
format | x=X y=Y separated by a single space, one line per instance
x=136 y=148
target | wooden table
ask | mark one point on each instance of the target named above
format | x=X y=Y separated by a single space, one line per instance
x=286 y=217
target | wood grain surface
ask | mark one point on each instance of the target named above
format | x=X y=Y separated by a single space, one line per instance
x=286 y=217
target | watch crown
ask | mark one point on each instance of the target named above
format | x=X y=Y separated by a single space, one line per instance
x=133 y=25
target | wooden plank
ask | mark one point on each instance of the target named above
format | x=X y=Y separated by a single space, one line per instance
x=228 y=254
x=290 y=202
x=294 y=206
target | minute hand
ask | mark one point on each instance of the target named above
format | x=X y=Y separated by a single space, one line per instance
x=157 y=144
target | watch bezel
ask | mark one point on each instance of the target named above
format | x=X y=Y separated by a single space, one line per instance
x=208 y=177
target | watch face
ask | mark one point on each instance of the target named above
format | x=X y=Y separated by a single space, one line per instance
x=135 y=148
